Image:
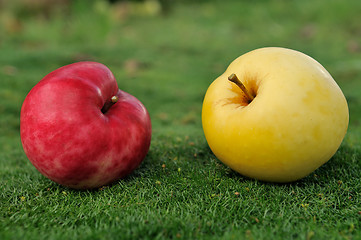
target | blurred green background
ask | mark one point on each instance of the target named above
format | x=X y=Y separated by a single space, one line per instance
x=166 y=53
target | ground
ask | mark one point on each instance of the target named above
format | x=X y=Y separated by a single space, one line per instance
x=166 y=54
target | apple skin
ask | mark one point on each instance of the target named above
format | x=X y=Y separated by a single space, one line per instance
x=295 y=123
x=68 y=138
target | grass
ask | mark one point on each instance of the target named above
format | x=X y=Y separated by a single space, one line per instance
x=167 y=60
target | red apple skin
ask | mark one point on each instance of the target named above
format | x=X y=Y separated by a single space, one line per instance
x=70 y=140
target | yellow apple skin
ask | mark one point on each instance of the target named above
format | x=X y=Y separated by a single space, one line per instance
x=295 y=123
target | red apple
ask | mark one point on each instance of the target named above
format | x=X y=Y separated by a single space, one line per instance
x=79 y=130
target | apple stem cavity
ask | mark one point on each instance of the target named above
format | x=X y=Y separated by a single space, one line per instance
x=233 y=78
x=109 y=104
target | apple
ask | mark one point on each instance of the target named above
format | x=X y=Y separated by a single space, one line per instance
x=275 y=115
x=80 y=130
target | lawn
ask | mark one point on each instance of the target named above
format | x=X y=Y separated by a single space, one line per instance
x=166 y=54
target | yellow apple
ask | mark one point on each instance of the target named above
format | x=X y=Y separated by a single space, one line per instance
x=275 y=115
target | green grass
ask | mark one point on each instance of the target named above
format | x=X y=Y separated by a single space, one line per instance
x=181 y=191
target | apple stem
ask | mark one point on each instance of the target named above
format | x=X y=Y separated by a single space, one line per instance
x=109 y=104
x=233 y=78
